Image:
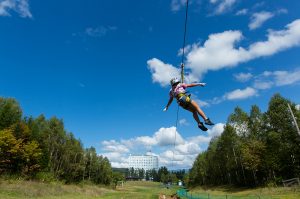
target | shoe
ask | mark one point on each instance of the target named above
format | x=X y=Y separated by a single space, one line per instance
x=202 y=127
x=208 y=122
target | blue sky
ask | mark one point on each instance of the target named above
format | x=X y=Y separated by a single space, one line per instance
x=104 y=67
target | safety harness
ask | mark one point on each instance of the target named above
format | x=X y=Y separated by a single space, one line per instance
x=184 y=100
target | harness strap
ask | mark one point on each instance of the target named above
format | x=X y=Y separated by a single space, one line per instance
x=180 y=95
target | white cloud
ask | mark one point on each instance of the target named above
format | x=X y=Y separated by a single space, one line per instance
x=200 y=139
x=242 y=12
x=298 y=107
x=219 y=50
x=283 y=78
x=176 y=5
x=201 y=103
x=243 y=77
x=188 y=148
x=282 y=11
x=240 y=94
x=168 y=156
x=183 y=122
x=216 y=130
x=164 y=137
x=114 y=146
x=167 y=137
x=5 y=6
x=146 y=140
x=117 y=160
x=162 y=73
x=262 y=85
x=223 y=5
x=265 y=80
x=182 y=155
x=270 y=79
x=99 y=31
x=19 y=6
x=113 y=156
x=259 y=18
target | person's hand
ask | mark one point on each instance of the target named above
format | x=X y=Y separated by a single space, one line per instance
x=165 y=109
x=202 y=84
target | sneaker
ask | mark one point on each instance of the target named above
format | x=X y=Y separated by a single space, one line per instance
x=208 y=122
x=202 y=127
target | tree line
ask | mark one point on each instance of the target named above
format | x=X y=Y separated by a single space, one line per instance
x=160 y=175
x=42 y=148
x=259 y=148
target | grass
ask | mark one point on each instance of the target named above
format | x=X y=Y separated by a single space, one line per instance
x=14 y=189
x=239 y=193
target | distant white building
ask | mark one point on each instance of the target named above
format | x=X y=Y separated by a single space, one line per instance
x=146 y=162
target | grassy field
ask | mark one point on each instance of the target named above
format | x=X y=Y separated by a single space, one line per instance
x=246 y=193
x=12 y=189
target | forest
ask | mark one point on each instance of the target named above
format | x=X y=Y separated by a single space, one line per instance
x=255 y=149
x=40 y=148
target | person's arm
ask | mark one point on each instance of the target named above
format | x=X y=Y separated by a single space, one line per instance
x=169 y=103
x=195 y=84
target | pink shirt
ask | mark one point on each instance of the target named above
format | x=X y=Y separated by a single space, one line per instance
x=180 y=88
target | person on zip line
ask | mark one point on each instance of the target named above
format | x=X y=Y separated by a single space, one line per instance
x=178 y=91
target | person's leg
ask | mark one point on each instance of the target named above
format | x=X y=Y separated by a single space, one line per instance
x=195 y=115
x=198 y=109
x=201 y=113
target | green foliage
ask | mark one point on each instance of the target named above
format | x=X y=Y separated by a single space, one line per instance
x=18 y=155
x=10 y=112
x=45 y=176
x=117 y=177
x=43 y=149
x=10 y=151
x=255 y=149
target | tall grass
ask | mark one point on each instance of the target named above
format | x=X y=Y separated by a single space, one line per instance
x=13 y=189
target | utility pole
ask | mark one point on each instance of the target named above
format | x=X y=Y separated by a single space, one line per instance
x=295 y=121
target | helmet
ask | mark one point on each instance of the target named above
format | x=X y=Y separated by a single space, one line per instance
x=174 y=81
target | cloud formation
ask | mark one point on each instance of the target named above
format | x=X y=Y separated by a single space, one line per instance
x=242 y=12
x=162 y=73
x=263 y=81
x=183 y=122
x=176 y=5
x=257 y=19
x=162 y=143
x=240 y=94
x=270 y=79
x=243 y=77
x=237 y=94
x=19 y=6
x=223 y=6
x=99 y=31
x=220 y=51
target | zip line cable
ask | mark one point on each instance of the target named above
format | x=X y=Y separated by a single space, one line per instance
x=184 y=40
x=182 y=73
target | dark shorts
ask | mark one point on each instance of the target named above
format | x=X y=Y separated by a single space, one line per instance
x=184 y=101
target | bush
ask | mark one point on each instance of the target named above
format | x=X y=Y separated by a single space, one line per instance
x=45 y=177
